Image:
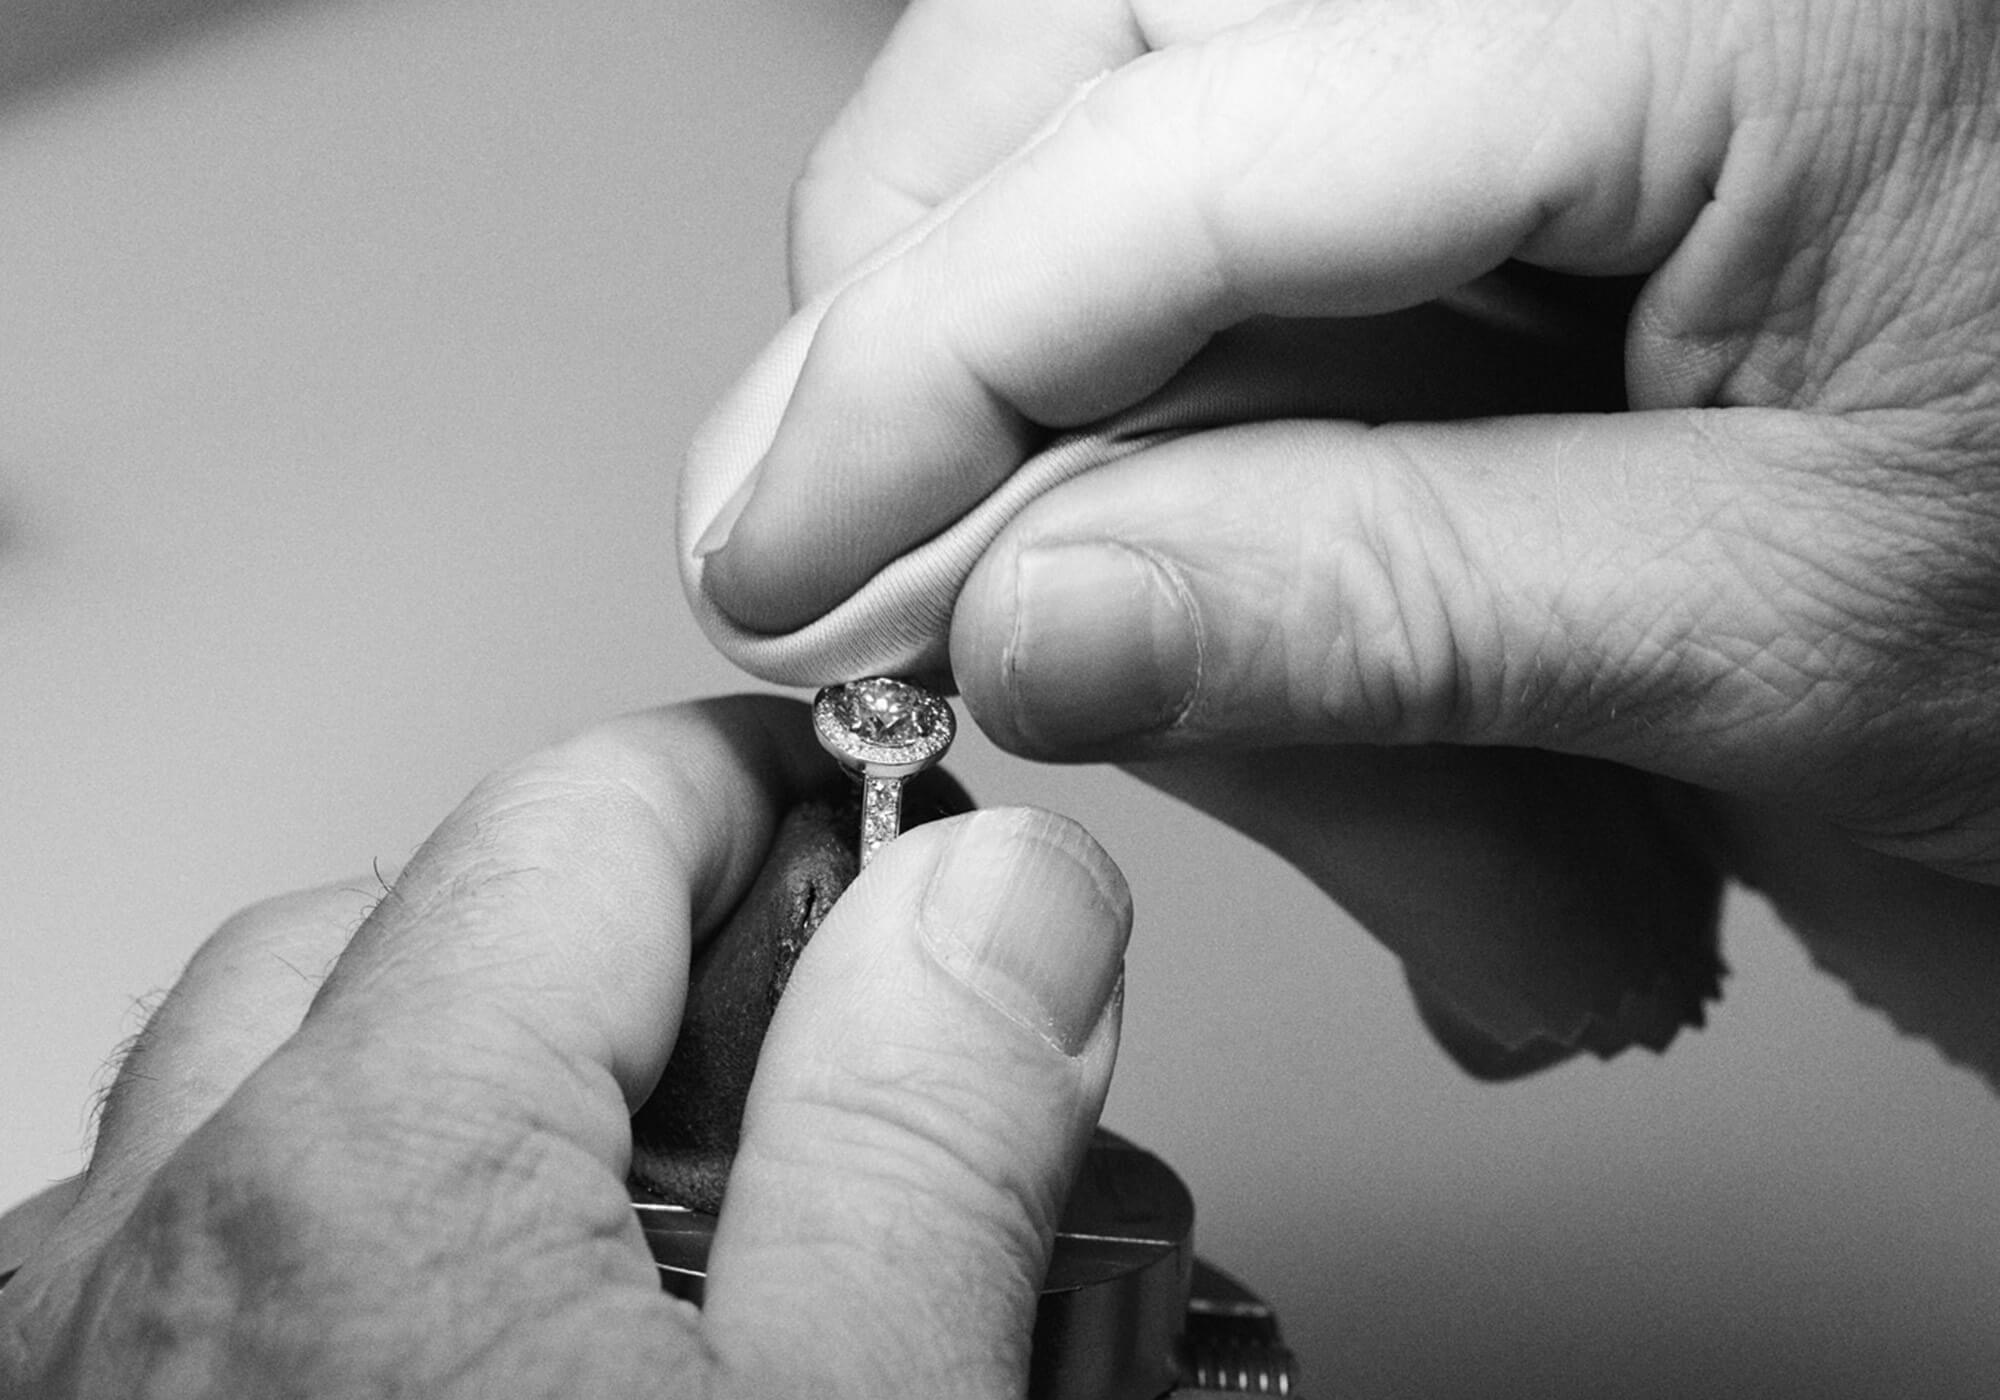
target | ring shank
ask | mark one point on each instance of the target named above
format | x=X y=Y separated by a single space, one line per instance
x=881 y=813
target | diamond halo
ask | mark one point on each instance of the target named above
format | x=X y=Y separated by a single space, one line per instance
x=883 y=727
x=882 y=730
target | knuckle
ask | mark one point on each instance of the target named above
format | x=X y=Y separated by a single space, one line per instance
x=1394 y=636
x=567 y=796
x=298 y=937
x=305 y=917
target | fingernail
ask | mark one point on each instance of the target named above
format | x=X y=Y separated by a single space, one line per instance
x=1104 y=645
x=717 y=534
x=1031 y=915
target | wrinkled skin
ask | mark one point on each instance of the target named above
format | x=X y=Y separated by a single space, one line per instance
x=1774 y=580
x=364 y=1152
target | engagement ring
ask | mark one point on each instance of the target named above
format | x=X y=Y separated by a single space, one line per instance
x=882 y=731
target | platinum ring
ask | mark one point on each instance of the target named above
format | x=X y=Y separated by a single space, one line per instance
x=883 y=731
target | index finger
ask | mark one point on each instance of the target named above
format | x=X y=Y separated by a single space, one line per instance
x=959 y=84
x=546 y=926
x=1337 y=160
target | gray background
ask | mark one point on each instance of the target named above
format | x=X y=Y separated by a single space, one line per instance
x=346 y=348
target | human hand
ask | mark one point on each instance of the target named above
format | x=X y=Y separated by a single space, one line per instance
x=1773 y=581
x=409 y=1177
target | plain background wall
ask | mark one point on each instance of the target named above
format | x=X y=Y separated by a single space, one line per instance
x=346 y=351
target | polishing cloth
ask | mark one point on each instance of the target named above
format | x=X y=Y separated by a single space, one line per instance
x=1524 y=945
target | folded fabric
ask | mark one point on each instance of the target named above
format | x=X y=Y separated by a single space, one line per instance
x=1586 y=928
x=1515 y=342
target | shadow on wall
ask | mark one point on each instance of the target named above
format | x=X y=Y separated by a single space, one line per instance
x=1916 y=945
x=46 y=41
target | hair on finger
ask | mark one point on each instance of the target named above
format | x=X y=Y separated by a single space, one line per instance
x=112 y=1082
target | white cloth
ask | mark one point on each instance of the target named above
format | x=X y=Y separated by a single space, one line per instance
x=1500 y=345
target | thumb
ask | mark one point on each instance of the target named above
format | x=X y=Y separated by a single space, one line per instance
x=927 y=1087
x=1732 y=598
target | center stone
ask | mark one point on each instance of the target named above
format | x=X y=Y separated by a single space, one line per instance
x=883 y=711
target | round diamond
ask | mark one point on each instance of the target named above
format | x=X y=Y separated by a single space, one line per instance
x=883 y=726
x=884 y=711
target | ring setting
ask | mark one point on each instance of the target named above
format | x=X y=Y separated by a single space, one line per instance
x=882 y=730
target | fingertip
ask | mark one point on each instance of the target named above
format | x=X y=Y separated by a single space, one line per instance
x=1029 y=913
x=874 y=456
x=762 y=567
x=552 y=914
